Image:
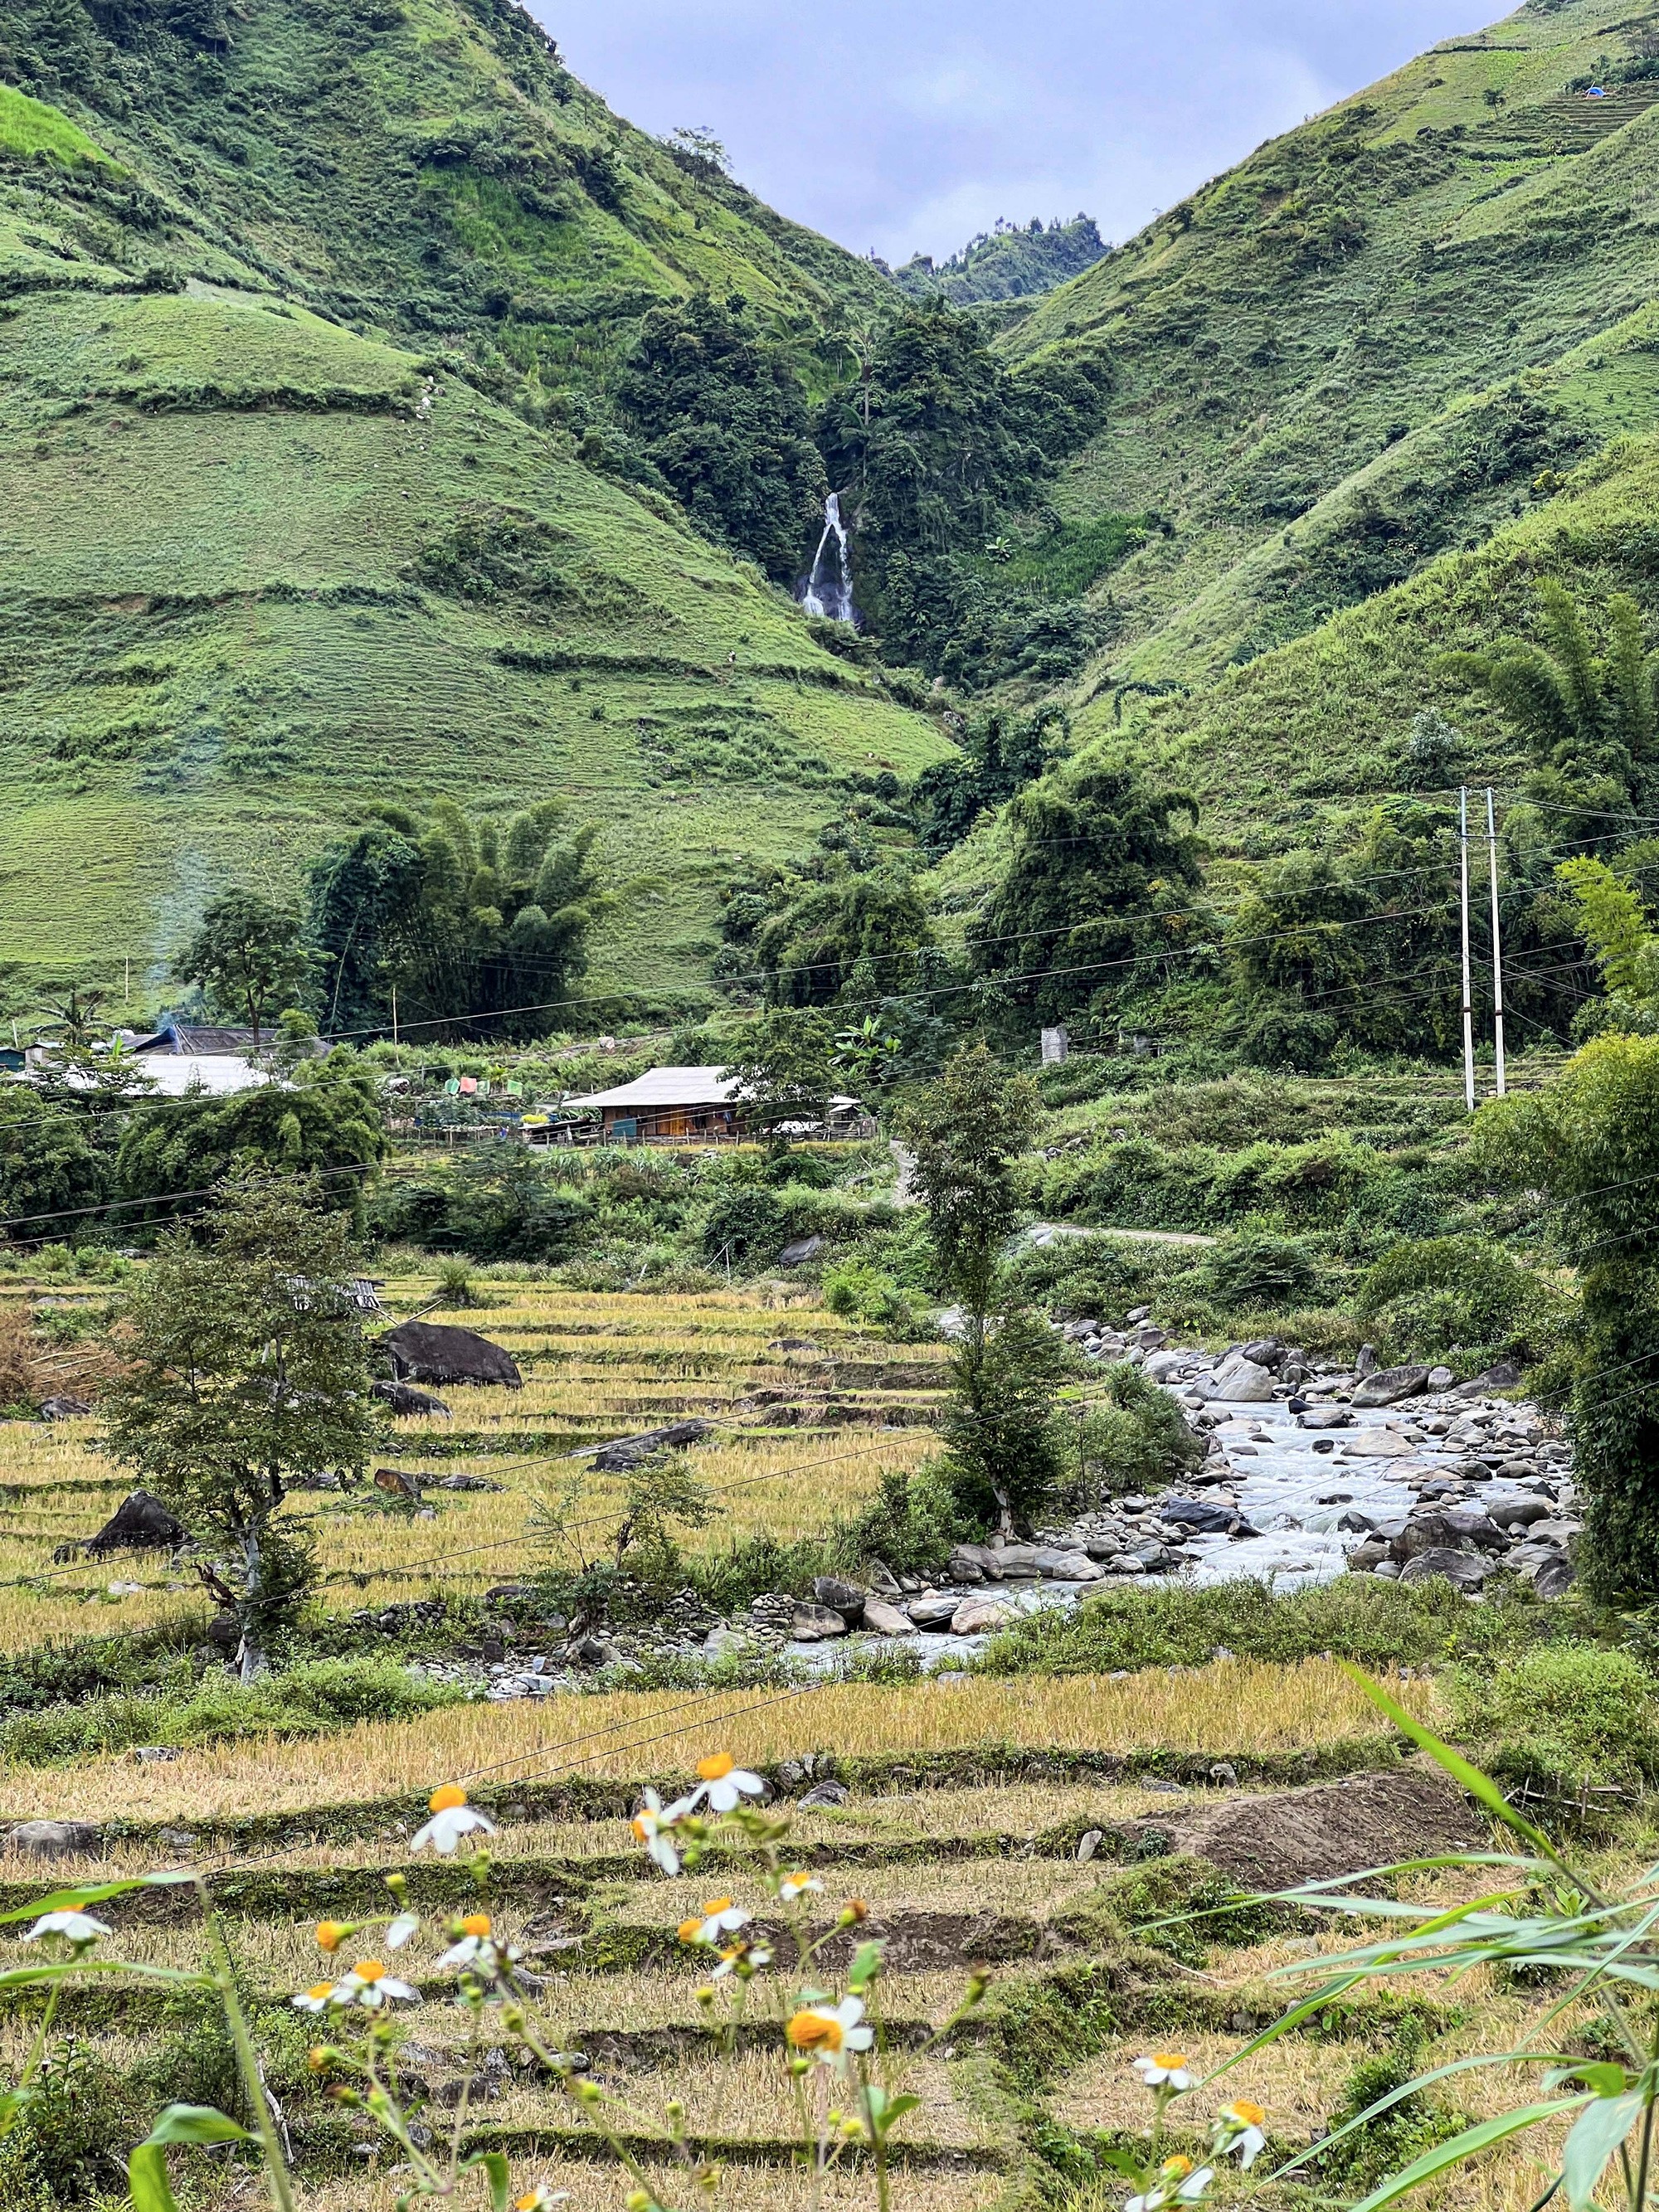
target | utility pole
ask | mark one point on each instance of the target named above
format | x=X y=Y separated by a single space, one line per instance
x=1468 y=1010
x=1496 y=940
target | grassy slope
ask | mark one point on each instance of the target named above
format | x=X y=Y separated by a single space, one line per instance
x=212 y=649
x=1319 y=324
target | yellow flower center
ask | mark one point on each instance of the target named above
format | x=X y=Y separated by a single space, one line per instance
x=1177 y=2168
x=717 y=1904
x=641 y=1831
x=716 y=1767
x=688 y=1931
x=319 y=1990
x=530 y=2203
x=476 y=1923
x=331 y=1934
x=1171 y=2062
x=368 y=1969
x=448 y=1798
x=814 y=2031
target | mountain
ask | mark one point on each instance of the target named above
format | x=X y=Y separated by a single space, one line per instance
x=306 y=313
x=1369 y=381
x=1012 y=261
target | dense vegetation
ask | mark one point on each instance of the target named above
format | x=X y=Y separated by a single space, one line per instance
x=1010 y=261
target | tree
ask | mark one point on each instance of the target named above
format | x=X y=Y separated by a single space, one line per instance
x=1591 y=1141
x=724 y=416
x=820 y=931
x=471 y=925
x=1581 y=715
x=76 y=1014
x=246 y=956
x=244 y=1366
x=785 y=1068
x=326 y=1121
x=1100 y=878
x=48 y=1163
x=968 y=1130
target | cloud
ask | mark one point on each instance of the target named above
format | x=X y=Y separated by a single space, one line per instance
x=908 y=127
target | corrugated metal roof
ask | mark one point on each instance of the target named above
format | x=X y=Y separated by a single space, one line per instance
x=668 y=1086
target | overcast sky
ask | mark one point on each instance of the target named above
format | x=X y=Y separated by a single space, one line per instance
x=906 y=125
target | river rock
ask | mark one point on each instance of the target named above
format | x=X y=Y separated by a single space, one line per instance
x=1505 y=1376
x=1325 y=1417
x=1447 y=1528
x=1067 y=1566
x=966 y=1565
x=1518 y=1512
x=980 y=1616
x=883 y=1581
x=825 y=1793
x=847 y=1599
x=812 y=1624
x=1554 y=1578
x=1389 y=1385
x=1163 y=1365
x=54 y=1839
x=1200 y=1516
x=1377 y=1444
x=1236 y=1382
x=1463 y=1570
x=933 y=1609
x=1364 y=1557
x=884 y=1620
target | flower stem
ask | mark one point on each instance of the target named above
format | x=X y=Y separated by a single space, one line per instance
x=248 y=2059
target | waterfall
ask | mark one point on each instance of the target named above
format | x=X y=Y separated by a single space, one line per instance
x=829 y=587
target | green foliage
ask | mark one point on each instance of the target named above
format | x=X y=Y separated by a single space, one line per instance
x=865 y=1292
x=1133 y=1440
x=1010 y=261
x=724 y=420
x=245 y=1365
x=1591 y=1142
x=327 y=1121
x=1002 y=751
x=246 y=956
x=1254 y=1269
x=494 y=1203
x=49 y=1162
x=1004 y=1439
x=1565 y=1715
x=1390 y=2141
x=786 y=1064
x=467 y=924
x=1461 y=1297
x=1376 y=1624
x=967 y=1129
x=1098 y=885
x=823 y=934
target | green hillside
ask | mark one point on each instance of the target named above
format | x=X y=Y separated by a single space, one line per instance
x=1374 y=341
x=285 y=534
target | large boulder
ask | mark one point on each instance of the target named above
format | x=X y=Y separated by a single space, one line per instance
x=1448 y=1528
x=434 y=1352
x=812 y=1624
x=54 y=1839
x=1199 y=1515
x=1505 y=1376
x=1389 y=1385
x=932 y=1609
x=1237 y=1381
x=980 y=1616
x=849 y=1599
x=139 y=1523
x=403 y=1399
x=884 y=1620
x=626 y=1453
x=1464 y=1570
x=1066 y=1566
x=64 y=1409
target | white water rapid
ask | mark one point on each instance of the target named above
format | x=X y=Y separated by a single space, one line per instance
x=827 y=590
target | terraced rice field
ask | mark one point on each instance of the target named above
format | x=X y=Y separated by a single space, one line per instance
x=807 y=1414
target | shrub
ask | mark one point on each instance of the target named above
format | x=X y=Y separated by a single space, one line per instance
x=1376 y=1623
x=1567 y=1715
x=1254 y=1267
x=855 y=1289
x=1134 y=1440
x=1461 y=1296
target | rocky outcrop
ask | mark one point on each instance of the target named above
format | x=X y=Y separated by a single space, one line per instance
x=436 y=1351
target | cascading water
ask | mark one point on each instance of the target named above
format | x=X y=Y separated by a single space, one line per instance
x=827 y=590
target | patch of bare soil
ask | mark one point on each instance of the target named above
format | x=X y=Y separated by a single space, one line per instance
x=1274 y=1842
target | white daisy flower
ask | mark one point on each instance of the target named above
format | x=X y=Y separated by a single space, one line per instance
x=477 y=1947
x=399 y=1931
x=797 y=1884
x=73 y=1927
x=1241 y=2127
x=720 y=1917
x=754 y=1954
x=1166 y=2069
x=827 y=2034
x=724 y=1783
x=315 y=1999
x=368 y=1984
x=653 y=1825
x=451 y=1819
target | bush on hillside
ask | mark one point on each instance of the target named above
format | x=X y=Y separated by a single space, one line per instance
x=1459 y=1298
x=1565 y=1716
x=1134 y=1439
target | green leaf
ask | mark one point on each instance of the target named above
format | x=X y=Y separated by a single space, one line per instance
x=1597 y=2133
x=866 y=1965
x=1469 y=1777
x=495 y=2165
x=195 y=2124
x=147 y=2179
x=1461 y=2147
x=1601 y=2078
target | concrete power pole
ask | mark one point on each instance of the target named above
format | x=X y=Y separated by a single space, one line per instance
x=1496 y=940
x=1468 y=1008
